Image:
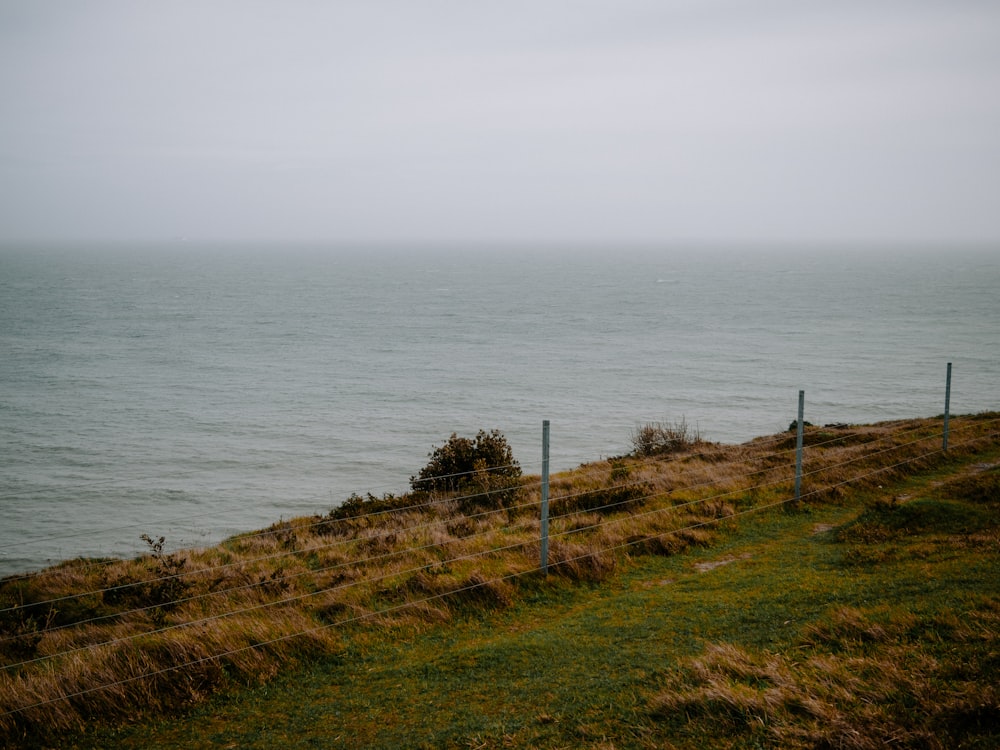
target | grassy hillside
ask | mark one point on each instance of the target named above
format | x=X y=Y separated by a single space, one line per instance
x=688 y=604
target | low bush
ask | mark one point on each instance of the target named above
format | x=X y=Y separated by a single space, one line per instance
x=482 y=469
x=356 y=506
x=664 y=438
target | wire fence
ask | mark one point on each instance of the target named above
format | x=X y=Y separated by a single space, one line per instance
x=423 y=504
x=516 y=509
x=370 y=560
x=146 y=675
x=615 y=507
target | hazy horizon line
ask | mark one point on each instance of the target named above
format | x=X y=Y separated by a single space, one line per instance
x=483 y=244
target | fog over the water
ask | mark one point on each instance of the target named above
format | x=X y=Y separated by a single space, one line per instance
x=549 y=120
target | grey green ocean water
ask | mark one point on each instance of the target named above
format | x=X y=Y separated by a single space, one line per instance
x=197 y=391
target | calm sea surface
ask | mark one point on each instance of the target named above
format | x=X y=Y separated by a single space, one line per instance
x=193 y=392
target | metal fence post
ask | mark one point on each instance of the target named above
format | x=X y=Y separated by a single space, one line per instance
x=947 y=407
x=800 y=427
x=545 y=497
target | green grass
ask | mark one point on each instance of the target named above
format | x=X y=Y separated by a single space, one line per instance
x=842 y=624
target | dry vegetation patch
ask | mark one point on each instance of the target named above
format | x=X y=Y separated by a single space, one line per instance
x=840 y=690
x=107 y=639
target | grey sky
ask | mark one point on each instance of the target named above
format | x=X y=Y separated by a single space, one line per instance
x=512 y=120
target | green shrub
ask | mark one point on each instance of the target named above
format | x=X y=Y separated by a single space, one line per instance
x=356 y=506
x=482 y=469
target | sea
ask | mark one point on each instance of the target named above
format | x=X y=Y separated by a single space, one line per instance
x=196 y=390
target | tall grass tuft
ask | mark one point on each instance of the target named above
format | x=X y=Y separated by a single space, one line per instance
x=838 y=691
x=664 y=438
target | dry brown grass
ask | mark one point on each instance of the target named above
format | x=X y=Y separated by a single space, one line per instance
x=853 y=686
x=104 y=640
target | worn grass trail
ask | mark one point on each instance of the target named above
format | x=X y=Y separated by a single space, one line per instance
x=578 y=666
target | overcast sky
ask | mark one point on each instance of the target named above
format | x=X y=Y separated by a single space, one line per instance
x=500 y=120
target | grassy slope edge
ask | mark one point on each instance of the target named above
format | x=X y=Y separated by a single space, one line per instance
x=870 y=614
